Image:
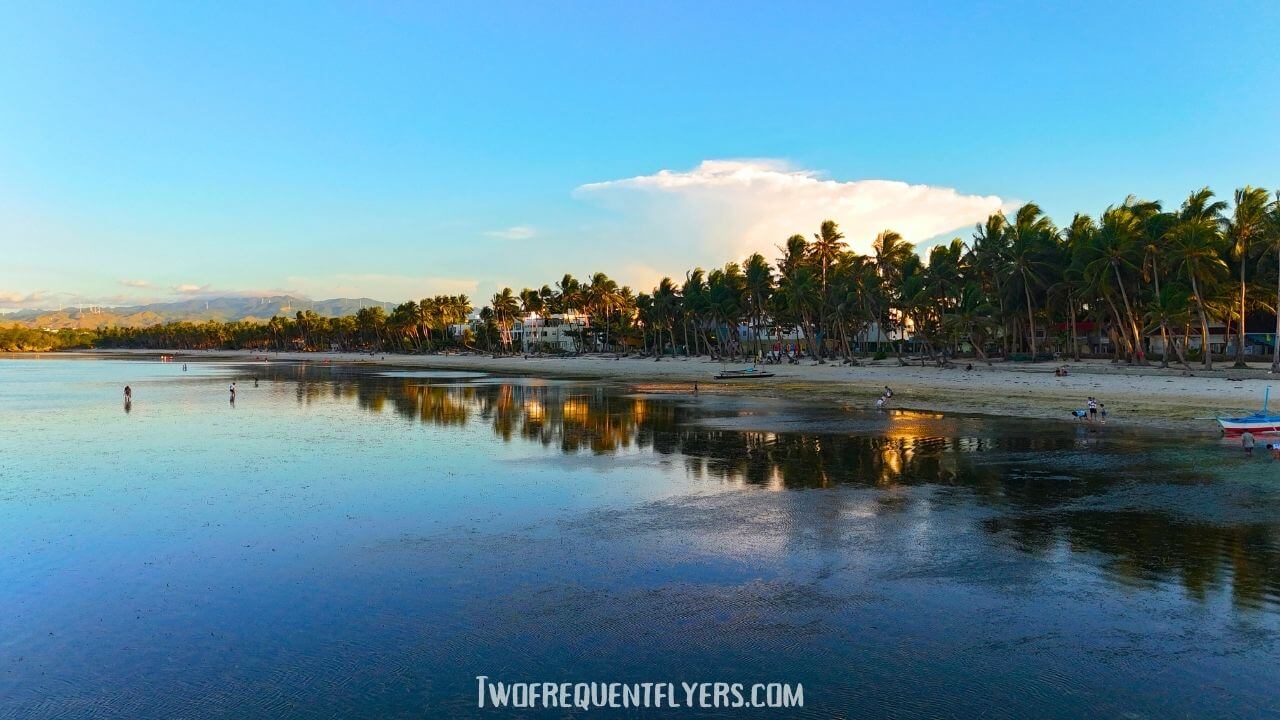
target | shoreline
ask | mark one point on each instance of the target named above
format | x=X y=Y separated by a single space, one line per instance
x=1135 y=397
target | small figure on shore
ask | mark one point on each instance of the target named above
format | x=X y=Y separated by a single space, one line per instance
x=695 y=387
x=1102 y=408
x=232 y=390
x=1247 y=442
x=255 y=381
x=184 y=367
x=968 y=366
x=128 y=393
x=1275 y=450
x=1093 y=409
x=888 y=392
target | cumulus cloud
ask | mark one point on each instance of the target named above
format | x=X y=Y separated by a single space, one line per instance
x=10 y=300
x=726 y=209
x=515 y=232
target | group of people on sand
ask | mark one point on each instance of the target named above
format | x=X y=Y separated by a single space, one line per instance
x=884 y=397
x=1093 y=411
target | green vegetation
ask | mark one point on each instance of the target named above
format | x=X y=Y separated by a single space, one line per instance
x=1019 y=287
x=16 y=338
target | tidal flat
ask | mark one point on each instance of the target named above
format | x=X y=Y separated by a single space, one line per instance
x=362 y=542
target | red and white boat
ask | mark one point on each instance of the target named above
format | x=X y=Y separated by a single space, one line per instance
x=1257 y=423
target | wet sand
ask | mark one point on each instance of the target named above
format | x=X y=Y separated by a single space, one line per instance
x=1146 y=396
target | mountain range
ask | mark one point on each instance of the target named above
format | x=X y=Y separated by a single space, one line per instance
x=226 y=309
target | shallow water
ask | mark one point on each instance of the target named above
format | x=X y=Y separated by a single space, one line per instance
x=351 y=543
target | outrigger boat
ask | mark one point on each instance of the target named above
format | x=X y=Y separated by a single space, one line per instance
x=750 y=373
x=1259 y=422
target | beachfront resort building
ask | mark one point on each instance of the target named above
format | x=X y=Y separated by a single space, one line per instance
x=536 y=332
x=557 y=332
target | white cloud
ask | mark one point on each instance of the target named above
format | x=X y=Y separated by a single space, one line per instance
x=191 y=289
x=10 y=300
x=726 y=209
x=515 y=232
x=136 y=283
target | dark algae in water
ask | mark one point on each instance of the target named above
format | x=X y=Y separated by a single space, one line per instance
x=361 y=544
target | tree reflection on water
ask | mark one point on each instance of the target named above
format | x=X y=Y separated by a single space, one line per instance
x=1045 y=490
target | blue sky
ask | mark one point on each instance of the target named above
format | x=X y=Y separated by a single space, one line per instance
x=156 y=150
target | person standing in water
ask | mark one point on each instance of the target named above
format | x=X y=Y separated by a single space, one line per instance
x=128 y=393
x=232 y=389
x=1247 y=442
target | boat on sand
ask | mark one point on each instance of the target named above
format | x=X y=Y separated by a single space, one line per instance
x=751 y=373
x=1259 y=422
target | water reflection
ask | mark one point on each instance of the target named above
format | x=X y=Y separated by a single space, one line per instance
x=1044 y=487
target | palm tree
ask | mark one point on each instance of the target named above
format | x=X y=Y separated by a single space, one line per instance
x=1168 y=307
x=1196 y=242
x=665 y=308
x=531 y=306
x=1272 y=241
x=1115 y=253
x=827 y=245
x=892 y=256
x=799 y=292
x=759 y=286
x=1248 y=224
x=986 y=258
x=505 y=306
x=971 y=319
x=601 y=296
x=694 y=293
x=1028 y=236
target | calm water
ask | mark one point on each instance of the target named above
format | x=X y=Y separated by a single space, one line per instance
x=344 y=543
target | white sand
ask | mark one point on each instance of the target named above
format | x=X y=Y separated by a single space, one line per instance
x=1133 y=396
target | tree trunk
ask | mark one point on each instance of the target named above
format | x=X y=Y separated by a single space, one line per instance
x=1206 y=356
x=1275 y=340
x=1075 y=335
x=1240 y=363
x=977 y=348
x=1031 y=319
x=1138 y=356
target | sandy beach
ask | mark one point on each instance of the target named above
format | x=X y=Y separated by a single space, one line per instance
x=1133 y=396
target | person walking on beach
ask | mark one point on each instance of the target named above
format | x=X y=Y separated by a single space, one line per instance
x=232 y=389
x=1247 y=442
x=128 y=393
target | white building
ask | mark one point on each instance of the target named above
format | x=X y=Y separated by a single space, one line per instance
x=558 y=331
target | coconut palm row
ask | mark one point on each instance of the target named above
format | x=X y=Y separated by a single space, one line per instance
x=1019 y=285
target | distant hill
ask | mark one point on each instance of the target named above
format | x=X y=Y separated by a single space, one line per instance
x=226 y=309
